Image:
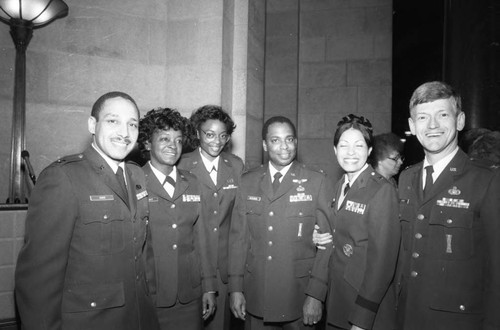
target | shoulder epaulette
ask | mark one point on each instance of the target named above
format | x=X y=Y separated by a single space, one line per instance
x=69 y=159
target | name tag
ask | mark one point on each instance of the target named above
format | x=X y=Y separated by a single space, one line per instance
x=153 y=199
x=254 y=198
x=453 y=202
x=231 y=186
x=141 y=195
x=355 y=207
x=100 y=198
x=301 y=197
x=190 y=198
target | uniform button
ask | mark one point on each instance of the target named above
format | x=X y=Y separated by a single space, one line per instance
x=418 y=236
x=147 y=222
x=215 y=212
x=174 y=225
x=270 y=228
x=215 y=194
x=334 y=230
x=135 y=258
x=270 y=243
x=105 y=216
x=415 y=255
x=300 y=214
x=135 y=239
x=414 y=274
x=420 y=217
x=93 y=304
x=172 y=206
x=215 y=229
x=137 y=278
x=449 y=221
x=174 y=246
x=462 y=307
x=269 y=258
x=271 y=213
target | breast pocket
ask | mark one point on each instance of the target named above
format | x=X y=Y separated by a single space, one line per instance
x=451 y=233
x=101 y=229
x=254 y=211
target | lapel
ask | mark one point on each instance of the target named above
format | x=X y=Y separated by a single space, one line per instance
x=200 y=171
x=360 y=183
x=153 y=184
x=338 y=191
x=105 y=172
x=224 y=171
x=446 y=178
x=181 y=185
x=132 y=190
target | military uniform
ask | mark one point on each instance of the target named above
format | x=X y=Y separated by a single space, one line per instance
x=182 y=268
x=449 y=264
x=272 y=258
x=366 y=240
x=82 y=266
x=217 y=208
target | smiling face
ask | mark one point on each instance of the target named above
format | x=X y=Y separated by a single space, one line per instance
x=280 y=144
x=116 y=130
x=213 y=137
x=352 y=151
x=165 y=148
x=436 y=125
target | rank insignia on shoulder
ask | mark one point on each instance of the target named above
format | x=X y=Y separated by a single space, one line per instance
x=348 y=250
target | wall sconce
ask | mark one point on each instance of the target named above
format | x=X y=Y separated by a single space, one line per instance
x=23 y=16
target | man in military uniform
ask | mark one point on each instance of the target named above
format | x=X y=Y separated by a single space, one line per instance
x=276 y=273
x=81 y=266
x=449 y=265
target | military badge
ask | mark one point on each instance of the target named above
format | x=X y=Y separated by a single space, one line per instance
x=355 y=207
x=190 y=198
x=453 y=202
x=348 y=250
x=454 y=191
x=142 y=194
x=100 y=198
x=301 y=197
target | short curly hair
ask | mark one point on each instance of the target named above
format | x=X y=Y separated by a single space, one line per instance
x=162 y=119
x=210 y=112
x=383 y=145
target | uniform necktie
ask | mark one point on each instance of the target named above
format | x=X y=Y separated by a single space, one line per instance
x=213 y=175
x=276 y=182
x=121 y=181
x=171 y=182
x=428 y=179
x=346 y=188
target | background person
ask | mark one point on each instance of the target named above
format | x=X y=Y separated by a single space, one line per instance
x=182 y=279
x=387 y=155
x=277 y=277
x=449 y=262
x=218 y=173
x=81 y=265
x=365 y=236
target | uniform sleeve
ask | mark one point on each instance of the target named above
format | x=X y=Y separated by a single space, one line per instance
x=382 y=250
x=490 y=215
x=318 y=282
x=41 y=266
x=238 y=245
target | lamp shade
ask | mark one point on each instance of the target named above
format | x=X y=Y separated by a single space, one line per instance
x=36 y=12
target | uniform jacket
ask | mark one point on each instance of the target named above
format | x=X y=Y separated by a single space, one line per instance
x=366 y=240
x=272 y=258
x=82 y=266
x=449 y=265
x=217 y=200
x=181 y=268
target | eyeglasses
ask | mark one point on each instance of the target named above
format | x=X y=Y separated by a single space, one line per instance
x=211 y=136
x=396 y=158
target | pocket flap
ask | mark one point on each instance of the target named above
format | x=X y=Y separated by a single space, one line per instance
x=88 y=297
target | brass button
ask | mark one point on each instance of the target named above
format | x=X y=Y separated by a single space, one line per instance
x=269 y=258
x=414 y=274
x=449 y=221
x=415 y=255
x=270 y=228
x=418 y=236
x=93 y=304
x=174 y=247
x=172 y=206
x=271 y=213
x=420 y=217
x=174 y=225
